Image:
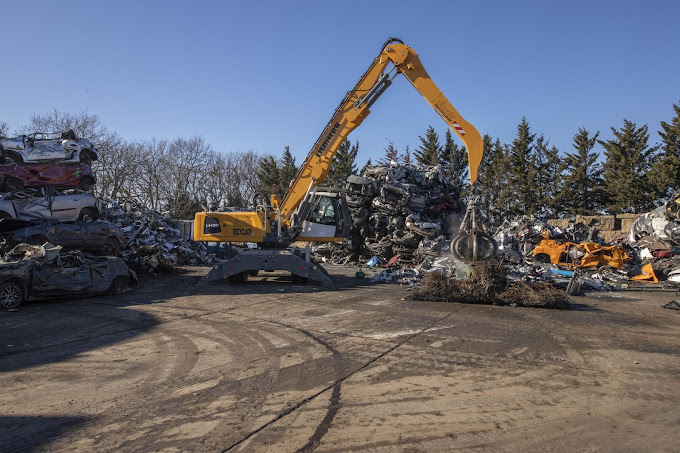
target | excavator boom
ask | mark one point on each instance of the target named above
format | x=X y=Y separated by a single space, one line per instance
x=354 y=108
x=414 y=71
x=309 y=212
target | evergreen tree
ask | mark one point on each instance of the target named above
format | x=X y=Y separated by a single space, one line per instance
x=454 y=161
x=582 y=190
x=343 y=164
x=522 y=172
x=666 y=168
x=366 y=165
x=287 y=171
x=391 y=154
x=627 y=161
x=406 y=156
x=504 y=195
x=491 y=184
x=429 y=151
x=548 y=182
x=269 y=177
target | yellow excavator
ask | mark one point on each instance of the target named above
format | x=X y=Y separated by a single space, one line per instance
x=312 y=213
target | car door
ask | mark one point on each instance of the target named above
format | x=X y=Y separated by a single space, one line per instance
x=7 y=207
x=67 y=208
x=69 y=276
x=66 y=234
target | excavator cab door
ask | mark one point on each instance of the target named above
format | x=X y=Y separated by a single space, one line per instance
x=328 y=217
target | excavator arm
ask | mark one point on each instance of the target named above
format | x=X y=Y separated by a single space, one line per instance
x=286 y=221
x=354 y=108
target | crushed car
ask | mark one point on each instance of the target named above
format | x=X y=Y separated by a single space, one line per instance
x=30 y=272
x=96 y=236
x=48 y=147
x=15 y=176
x=49 y=203
x=583 y=255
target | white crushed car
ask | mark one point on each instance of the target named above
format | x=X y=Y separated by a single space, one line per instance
x=43 y=147
x=48 y=203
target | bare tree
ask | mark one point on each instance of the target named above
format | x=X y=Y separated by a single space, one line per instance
x=246 y=167
x=177 y=176
x=4 y=129
x=118 y=171
x=87 y=126
x=212 y=190
x=184 y=165
x=148 y=187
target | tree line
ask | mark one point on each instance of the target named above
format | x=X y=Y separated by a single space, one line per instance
x=626 y=173
x=178 y=177
x=623 y=174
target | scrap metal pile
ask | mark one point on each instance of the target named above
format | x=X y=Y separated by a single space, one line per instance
x=576 y=257
x=401 y=217
x=404 y=217
x=44 y=175
x=152 y=244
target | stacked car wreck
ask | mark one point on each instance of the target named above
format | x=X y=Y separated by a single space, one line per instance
x=45 y=203
x=46 y=206
x=47 y=271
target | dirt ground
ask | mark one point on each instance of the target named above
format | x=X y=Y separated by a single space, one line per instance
x=271 y=366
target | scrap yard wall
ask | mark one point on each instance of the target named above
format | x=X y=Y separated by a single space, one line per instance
x=610 y=226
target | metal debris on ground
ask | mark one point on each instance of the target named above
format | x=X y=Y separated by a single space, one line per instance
x=152 y=244
x=673 y=305
x=534 y=250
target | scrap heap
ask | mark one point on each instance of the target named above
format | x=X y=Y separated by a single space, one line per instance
x=655 y=236
x=401 y=216
x=152 y=244
x=535 y=250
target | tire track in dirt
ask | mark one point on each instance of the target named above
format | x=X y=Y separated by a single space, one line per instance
x=173 y=402
x=133 y=410
x=334 y=401
x=159 y=381
x=252 y=344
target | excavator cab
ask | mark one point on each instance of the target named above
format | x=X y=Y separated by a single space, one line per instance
x=328 y=217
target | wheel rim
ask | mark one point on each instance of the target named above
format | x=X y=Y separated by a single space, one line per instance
x=11 y=296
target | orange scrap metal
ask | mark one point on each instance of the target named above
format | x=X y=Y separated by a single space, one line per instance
x=594 y=255
x=647 y=274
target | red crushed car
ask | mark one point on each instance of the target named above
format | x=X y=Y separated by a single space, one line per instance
x=16 y=176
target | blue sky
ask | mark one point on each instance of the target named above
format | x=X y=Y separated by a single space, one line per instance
x=261 y=75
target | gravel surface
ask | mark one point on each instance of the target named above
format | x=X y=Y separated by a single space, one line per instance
x=272 y=366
